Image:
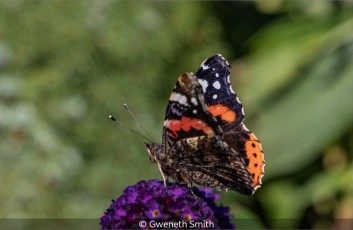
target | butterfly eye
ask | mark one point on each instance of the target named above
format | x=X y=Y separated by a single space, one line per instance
x=152 y=160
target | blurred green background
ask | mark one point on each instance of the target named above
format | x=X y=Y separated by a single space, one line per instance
x=66 y=65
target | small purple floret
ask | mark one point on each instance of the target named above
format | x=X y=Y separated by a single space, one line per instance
x=151 y=201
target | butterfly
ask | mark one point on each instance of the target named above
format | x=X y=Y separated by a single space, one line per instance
x=205 y=141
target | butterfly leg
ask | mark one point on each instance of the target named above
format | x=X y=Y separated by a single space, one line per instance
x=192 y=191
x=188 y=182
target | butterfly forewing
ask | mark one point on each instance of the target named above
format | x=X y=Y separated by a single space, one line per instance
x=223 y=103
x=221 y=100
x=186 y=114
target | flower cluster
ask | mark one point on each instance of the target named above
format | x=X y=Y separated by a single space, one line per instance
x=152 y=201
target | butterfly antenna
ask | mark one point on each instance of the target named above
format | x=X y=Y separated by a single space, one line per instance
x=138 y=122
x=131 y=130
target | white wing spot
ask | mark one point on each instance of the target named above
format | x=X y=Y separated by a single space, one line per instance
x=204 y=84
x=174 y=96
x=194 y=101
x=228 y=78
x=178 y=98
x=182 y=99
x=217 y=75
x=214 y=96
x=242 y=110
x=217 y=85
x=194 y=111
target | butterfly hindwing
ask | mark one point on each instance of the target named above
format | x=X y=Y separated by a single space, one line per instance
x=210 y=162
x=247 y=145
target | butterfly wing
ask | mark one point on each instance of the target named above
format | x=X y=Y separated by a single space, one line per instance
x=246 y=144
x=186 y=114
x=210 y=162
x=221 y=100
x=223 y=103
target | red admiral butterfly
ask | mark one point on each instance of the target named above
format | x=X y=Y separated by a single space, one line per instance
x=205 y=141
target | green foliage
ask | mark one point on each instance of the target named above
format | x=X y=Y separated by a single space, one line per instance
x=304 y=89
x=64 y=66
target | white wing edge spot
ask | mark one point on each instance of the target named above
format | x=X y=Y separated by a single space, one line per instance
x=231 y=90
x=237 y=99
x=223 y=59
x=245 y=128
x=204 y=67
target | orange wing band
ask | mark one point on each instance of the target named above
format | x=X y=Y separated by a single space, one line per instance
x=225 y=113
x=185 y=124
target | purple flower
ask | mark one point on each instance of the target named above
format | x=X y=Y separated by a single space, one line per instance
x=152 y=203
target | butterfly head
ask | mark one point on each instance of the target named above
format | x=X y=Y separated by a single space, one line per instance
x=155 y=152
